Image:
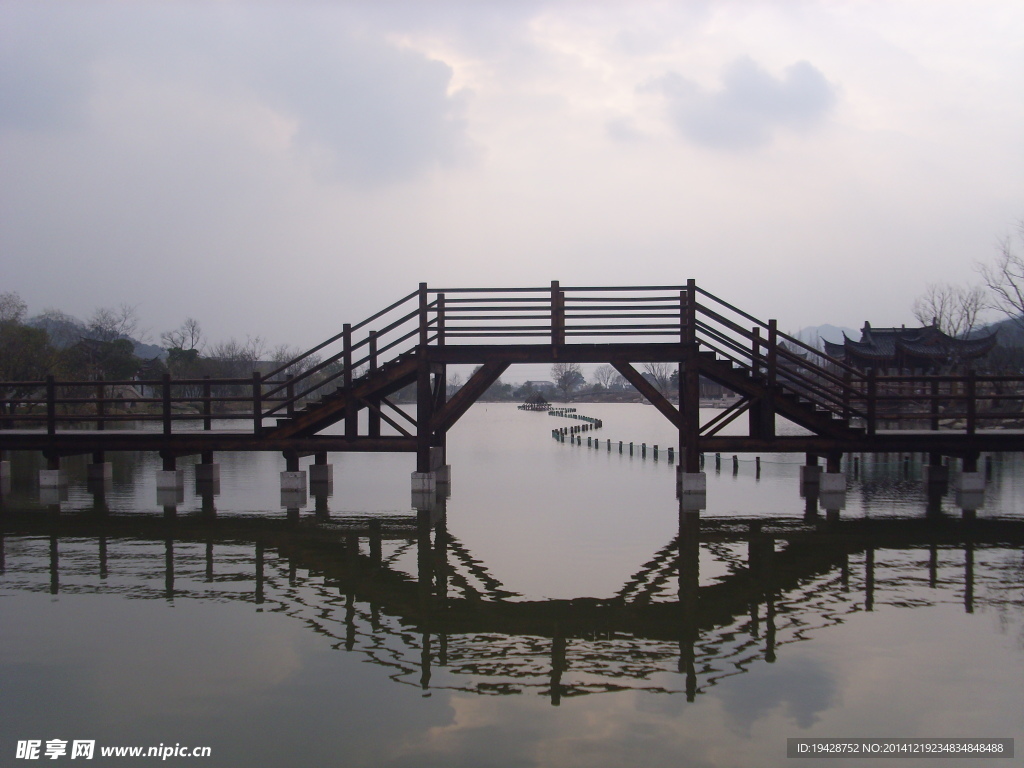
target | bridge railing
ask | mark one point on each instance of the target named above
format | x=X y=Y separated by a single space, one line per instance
x=778 y=359
x=104 y=404
x=969 y=402
x=556 y=314
x=337 y=362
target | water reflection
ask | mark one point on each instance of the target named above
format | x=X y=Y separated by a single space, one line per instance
x=723 y=596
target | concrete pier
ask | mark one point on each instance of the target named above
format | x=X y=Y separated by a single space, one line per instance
x=320 y=472
x=442 y=470
x=170 y=479
x=832 y=482
x=294 y=489
x=52 y=478
x=293 y=481
x=691 y=490
x=971 y=482
x=810 y=472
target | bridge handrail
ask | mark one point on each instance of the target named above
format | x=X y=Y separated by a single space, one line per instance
x=784 y=336
x=313 y=350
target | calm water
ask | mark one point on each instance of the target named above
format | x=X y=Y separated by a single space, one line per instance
x=560 y=613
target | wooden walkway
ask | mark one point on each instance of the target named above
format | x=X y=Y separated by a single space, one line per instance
x=410 y=344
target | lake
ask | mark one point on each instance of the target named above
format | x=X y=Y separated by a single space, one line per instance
x=557 y=609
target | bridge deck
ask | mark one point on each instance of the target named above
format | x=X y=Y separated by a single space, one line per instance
x=78 y=441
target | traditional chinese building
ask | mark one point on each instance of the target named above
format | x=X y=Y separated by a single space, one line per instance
x=910 y=350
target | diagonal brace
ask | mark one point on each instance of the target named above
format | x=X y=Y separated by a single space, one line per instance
x=446 y=416
x=648 y=390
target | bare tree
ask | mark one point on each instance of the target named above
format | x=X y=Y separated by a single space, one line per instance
x=620 y=382
x=1005 y=278
x=111 y=324
x=238 y=358
x=189 y=335
x=953 y=308
x=12 y=308
x=661 y=373
x=285 y=353
x=604 y=375
x=454 y=384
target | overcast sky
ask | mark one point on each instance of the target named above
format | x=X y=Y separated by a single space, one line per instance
x=277 y=169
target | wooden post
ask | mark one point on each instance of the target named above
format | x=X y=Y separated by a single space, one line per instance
x=847 y=387
x=257 y=403
x=290 y=394
x=557 y=314
x=51 y=405
x=755 y=351
x=440 y=320
x=100 y=403
x=207 y=404
x=346 y=355
x=424 y=393
x=424 y=315
x=351 y=410
x=373 y=417
x=972 y=404
x=872 y=401
x=773 y=352
x=934 y=404
x=689 y=393
x=166 y=388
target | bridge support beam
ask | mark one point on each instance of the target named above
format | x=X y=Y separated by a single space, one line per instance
x=99 y=469
x=441 y=470
x=207 y=471
x=935 y=472
x=5 y=476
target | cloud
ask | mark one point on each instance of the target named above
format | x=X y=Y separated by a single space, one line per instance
x=750 y=105
x=381 y=112
x=363 y=107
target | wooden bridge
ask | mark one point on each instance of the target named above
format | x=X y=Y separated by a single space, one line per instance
x=412 y=342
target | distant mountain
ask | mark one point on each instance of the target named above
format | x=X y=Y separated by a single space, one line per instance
x=148 y=351
x=65 y=330
x=1011 y=332
x=834 y=333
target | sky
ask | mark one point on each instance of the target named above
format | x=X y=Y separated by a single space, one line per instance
x=277 y=169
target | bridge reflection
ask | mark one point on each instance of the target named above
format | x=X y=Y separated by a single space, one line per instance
x=724 y=595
